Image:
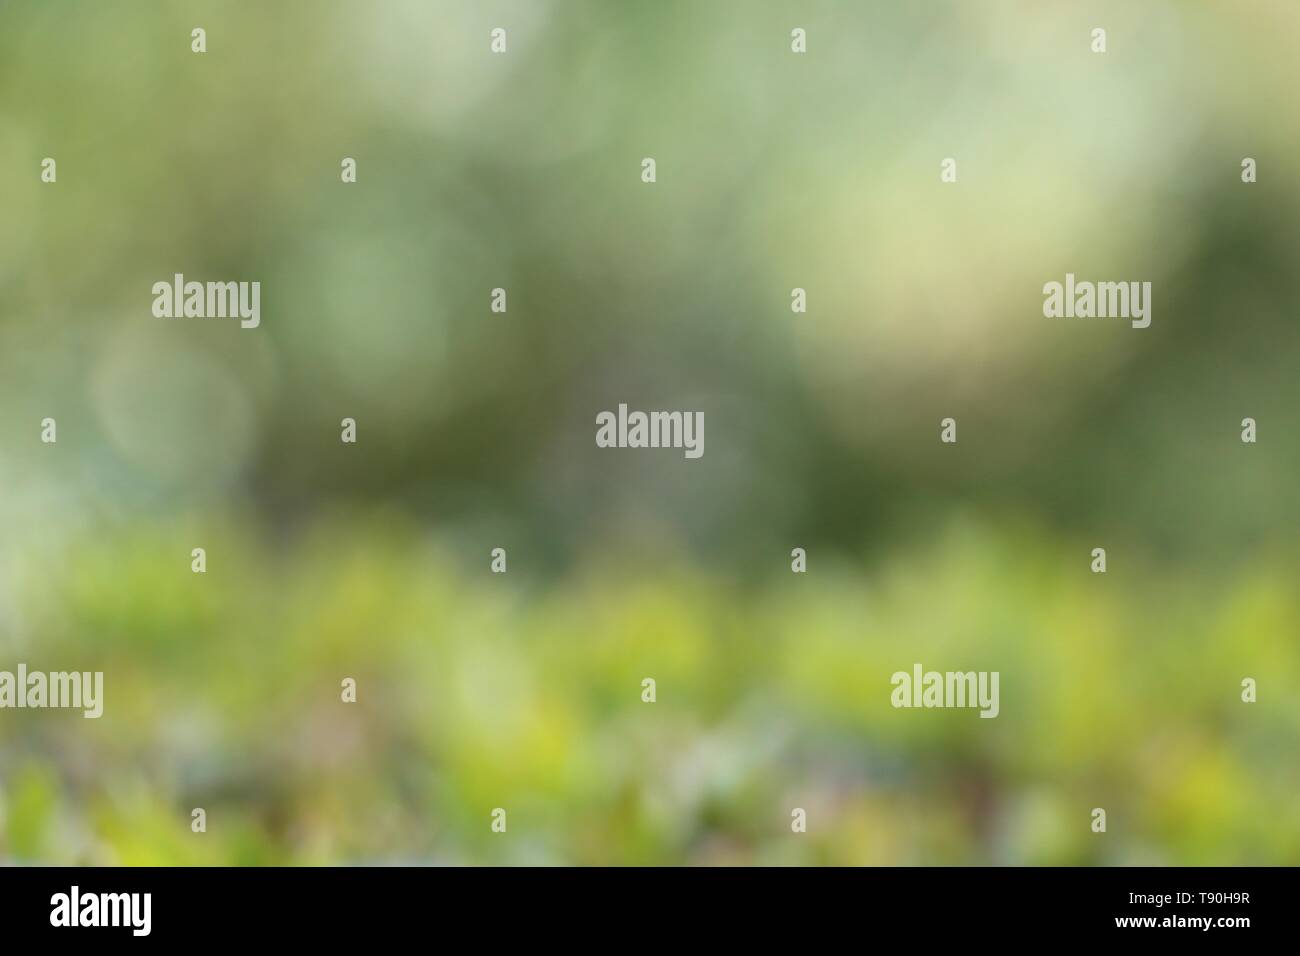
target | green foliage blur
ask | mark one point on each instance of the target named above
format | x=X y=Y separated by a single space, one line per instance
x=476 y=431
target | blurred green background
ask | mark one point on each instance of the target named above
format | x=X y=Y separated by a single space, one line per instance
x=476 y=431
